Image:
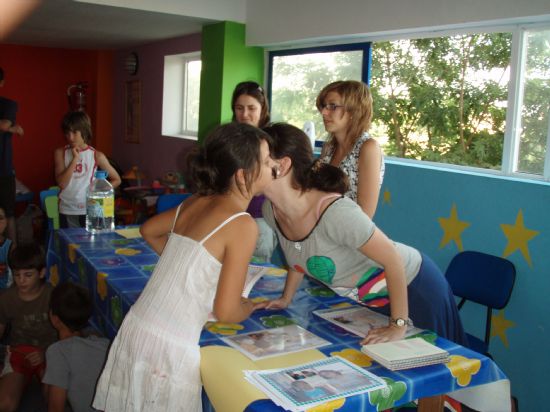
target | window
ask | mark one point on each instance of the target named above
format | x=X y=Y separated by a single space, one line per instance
x=473 y=99
x=533 y=131
x=181 y=91
x=442 y=99
x=297 y=76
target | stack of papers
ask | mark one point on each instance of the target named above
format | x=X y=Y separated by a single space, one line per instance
x=305 y=386
x=406 y=354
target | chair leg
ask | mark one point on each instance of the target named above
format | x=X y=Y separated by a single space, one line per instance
x=515 y=405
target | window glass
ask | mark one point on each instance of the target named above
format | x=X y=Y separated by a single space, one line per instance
x=442 y=99
x=298 y=79
x=192 y=94
x=535 y=107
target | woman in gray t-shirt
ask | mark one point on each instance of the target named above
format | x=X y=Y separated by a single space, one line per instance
x=330 y=238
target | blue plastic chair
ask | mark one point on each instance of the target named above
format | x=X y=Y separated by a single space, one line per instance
x=48 y=203
x=484 y=279
x=170 y=200
x=52 y=191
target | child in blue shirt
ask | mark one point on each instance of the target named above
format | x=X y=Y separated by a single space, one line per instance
x=5 y=245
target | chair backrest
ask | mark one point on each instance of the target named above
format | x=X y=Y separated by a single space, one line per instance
x=52 y=210
x=170 y=200
x=481 y=278
x=52 y=191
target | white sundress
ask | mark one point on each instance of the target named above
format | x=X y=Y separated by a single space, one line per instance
x=154 y=361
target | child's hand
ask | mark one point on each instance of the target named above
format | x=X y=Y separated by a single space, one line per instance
x=35 y=358
x=76 y=154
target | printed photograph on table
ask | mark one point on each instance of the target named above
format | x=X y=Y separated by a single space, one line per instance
x=277 y=341
x=304 y=386
x=358 y=319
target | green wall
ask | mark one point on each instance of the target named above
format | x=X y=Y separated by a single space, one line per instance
x=226 y=61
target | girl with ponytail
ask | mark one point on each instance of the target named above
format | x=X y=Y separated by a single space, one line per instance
x=328 y=237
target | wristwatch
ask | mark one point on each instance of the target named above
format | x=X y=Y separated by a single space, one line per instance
x=400 y=322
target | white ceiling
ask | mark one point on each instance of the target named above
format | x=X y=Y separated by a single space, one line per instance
x=114 y=24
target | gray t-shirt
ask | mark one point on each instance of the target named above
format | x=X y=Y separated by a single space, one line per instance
x=330 y=253
x=74 y=364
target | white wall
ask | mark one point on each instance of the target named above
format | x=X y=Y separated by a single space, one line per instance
x=280 y=22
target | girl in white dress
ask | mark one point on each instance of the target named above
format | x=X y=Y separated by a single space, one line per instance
x=205 y=246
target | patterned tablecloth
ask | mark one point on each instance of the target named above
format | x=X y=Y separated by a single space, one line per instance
x=115 y=269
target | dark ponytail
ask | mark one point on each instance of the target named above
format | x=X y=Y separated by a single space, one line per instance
x=227 y=149
x=289 y=141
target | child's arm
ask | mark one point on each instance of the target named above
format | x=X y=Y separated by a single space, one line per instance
x=229 y=306
x=104 y=164
x=57 y=398
x=293 y=280
x=155 y=230
x=64 y=174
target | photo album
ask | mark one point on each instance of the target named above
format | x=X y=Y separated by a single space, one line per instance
x=358 y=320
x=305 y=386
x=277 y=341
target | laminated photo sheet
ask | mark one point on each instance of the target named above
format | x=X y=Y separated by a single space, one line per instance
x=358 y=320
x=273 y=342
x=305 y=386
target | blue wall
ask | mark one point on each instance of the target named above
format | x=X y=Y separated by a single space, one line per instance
x=502 y=216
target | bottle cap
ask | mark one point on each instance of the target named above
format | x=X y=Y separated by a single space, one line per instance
x=101 y=174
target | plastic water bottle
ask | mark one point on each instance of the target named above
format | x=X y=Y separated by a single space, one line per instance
x=100 y=205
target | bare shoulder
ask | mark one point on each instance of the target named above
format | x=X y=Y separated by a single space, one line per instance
x=244 y=224
x=100 y=156
x=370 y=144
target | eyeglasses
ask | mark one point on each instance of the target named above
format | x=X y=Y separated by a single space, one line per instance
x=331 y=107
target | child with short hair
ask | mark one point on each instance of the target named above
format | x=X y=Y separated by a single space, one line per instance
x=25 y=308
x=74 y=363
x=75 y=166
x=5 y=246
x=205 y=246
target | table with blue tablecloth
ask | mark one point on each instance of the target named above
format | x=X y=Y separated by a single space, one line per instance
x=116 y=268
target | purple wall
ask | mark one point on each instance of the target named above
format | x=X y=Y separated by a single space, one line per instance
x=154 y=154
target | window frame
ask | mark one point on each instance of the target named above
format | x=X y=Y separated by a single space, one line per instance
x=174 y=95
x=511 y=142
x=365 y=47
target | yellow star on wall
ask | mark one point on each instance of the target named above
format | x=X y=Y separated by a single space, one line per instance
x=499 y=324
x=387 y=197
x=518 y=236
x=452 y=229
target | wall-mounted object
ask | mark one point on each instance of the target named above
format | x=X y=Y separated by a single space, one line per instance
x=76 y=94
x=131 y=63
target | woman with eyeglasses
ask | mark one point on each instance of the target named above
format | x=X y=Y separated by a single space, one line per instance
x=346 y=107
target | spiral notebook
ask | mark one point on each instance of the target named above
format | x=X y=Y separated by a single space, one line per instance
x=406 y=354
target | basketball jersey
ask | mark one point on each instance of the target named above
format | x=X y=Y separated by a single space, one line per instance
x=72 y=199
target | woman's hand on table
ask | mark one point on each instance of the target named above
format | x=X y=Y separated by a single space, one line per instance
x=280 y=303
x=385 y=334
